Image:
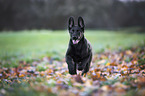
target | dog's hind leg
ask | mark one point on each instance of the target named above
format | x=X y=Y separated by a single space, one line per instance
x=86 y=69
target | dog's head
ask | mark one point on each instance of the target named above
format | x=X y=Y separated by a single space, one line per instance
x=76 y=31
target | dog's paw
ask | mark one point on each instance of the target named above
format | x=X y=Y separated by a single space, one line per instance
x=72 y=72
x=80 y=68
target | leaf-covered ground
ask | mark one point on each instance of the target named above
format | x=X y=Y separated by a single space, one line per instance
x=111 y=73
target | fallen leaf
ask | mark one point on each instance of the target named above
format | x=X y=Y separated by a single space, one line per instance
x=88 y=83
x=78 y=79
x=128 y=52
x=120 y=90
x=21 y=75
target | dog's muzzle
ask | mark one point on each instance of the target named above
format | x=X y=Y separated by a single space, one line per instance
x=75 y=40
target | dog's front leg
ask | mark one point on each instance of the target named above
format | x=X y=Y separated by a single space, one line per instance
x=71 y=65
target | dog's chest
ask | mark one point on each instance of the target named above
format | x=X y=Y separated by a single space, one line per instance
x=79 y=53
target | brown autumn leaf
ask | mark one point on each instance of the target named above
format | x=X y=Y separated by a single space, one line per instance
x=131 y=66
x=59 y=82
x=128 y=52
x=113 y=64
x=103 y=79
x=88 y=83
x=141 y=82
x=97 y=69
x=42 y=73
x=21 y=75
x=95 y=76
x=107 y=88
x=49 y=71
x=124 y=66
x=78 y=79
x=119 y=90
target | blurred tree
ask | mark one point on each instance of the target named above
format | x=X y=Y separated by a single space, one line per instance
x=53 y=14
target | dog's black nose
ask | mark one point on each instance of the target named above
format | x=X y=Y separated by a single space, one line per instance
x=74 y=38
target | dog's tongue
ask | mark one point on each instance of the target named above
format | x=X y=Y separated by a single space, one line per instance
x=75 y=41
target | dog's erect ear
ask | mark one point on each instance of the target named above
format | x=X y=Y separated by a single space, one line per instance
x=81 y=22
x=70 y=22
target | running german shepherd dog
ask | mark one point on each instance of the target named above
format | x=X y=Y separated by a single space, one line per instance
x=79 y=52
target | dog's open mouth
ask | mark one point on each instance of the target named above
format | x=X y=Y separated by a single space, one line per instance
x=75 y=41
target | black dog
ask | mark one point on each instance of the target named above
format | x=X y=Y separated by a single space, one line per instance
x=79 y=52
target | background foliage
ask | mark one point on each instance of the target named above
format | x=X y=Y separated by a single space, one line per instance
x=53 y=14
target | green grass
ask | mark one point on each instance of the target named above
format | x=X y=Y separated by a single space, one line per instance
x=27 y=45
x=44 y=40
x=35 y=44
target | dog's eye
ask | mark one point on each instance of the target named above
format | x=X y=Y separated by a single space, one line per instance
x=71 y=31
x=78 y=30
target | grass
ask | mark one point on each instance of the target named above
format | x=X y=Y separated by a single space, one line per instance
x=27 y=45
x=31 y=46
x=39 y=41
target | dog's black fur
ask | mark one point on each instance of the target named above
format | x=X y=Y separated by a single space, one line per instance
x=79 y=52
